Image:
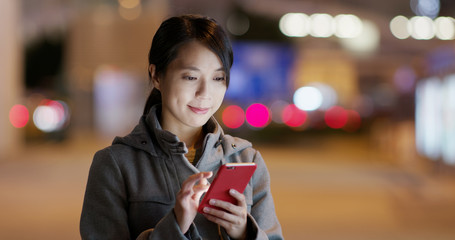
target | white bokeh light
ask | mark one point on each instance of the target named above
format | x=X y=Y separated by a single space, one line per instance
x=448 y=151
x=428 y=117
x=46 y=118
x=308 y=98
x=347 y=26
x=421 y=28
x=51 y=116
x=399 y=27
x=322 y=25
x=294 y=24
x=329 y=95
x=366 y=43
x=445 y=28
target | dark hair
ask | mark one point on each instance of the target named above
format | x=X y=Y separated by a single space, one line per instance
x=176 y=31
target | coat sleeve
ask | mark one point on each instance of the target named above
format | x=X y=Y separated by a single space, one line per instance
x=105 y=208
x=104 y=214
x=263 y=222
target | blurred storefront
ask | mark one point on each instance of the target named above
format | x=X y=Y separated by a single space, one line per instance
x=11 y=91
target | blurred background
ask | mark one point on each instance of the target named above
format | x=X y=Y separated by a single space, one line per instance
x=351 y=103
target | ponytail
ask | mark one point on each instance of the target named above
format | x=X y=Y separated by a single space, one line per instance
x=154 y=98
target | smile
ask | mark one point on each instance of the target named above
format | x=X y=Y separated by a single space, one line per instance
x=199 y=110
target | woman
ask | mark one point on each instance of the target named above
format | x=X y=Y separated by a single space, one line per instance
x=148 y=184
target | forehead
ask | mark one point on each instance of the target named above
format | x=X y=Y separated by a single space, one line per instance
x=196 y=54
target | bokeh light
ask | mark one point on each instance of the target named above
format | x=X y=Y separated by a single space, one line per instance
x=276 y=109
x=336 y=117
x=347 y=26
x=51 y=115
x=130 y=13
x=421 y=28
x=233 y=116
x=329 y=95
x=428 y=117
x=295 y=24
x=129 y=3
x=293 y=116
x=365 y=43
x=448 y=149
x=354 y=121
x=322 y=25
x=399 y=27
x=445 y=28
x=19 y=116
x=429 y=8
x=258 y=115
x=308 y=98
x=238 y=24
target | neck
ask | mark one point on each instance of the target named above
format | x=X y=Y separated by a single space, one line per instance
x=192 y=139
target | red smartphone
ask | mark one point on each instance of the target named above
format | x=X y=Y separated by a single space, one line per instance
x=230 y=176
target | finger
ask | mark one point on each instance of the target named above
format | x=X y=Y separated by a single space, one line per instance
x=202 y=186
x=189 y=183
x=226 y=210
x=220 y=221
x=206 y=175
x=203 y=182
x=198 y=191
x=219 y=214
x=222 y=217
x=239 y=197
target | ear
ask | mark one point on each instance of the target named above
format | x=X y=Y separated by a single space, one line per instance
x=154 y=76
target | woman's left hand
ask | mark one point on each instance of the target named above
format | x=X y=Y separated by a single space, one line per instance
x=234 y=217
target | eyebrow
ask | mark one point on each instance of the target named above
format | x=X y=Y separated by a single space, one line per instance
x=197 y=69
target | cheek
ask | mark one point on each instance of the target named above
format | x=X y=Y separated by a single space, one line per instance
x=219 y=95
x=177 y=93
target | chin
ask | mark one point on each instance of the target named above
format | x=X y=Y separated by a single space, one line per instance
x=199 y=122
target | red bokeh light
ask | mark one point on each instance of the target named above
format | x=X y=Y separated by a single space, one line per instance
x=336 y=117
x=258 y=115
x=293 y=116
x=19 y=116
x=233 y=116
x=354 y=121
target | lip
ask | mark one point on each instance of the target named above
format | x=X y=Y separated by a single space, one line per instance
x=199 y=110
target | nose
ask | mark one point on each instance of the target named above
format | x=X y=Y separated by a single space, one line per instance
x=203 y=90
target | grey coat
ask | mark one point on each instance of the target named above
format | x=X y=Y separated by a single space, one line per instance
x=132 y=186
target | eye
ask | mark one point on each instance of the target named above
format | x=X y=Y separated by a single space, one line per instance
x=219 y=78
x=190 y=78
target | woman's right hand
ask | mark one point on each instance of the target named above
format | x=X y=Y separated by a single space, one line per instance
x=188 y=197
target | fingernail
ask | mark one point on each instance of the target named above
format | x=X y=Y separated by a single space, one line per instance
x=212 y=201
x=206 y=209
x=233 y=191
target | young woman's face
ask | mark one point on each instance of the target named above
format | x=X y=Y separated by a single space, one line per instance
x=192 y=88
